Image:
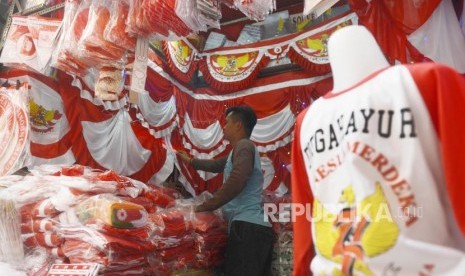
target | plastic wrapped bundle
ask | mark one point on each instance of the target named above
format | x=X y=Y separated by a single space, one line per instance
x=209 y=259
x=209 y=13
x=14 y=128
x=112 y=211
x=162 y=196
x=115 y=31
x=186 y=10
x=30 y=42
x=39 y=225
x=75 y=20
x=156 y=18
x=164 y=262
x=170 y=223
x=125 y=185
x=38 y=261
x=11 y=247
x=47 y=240
x=83 y=252
x=93 y=45
x=281 y=220
x=110 y=245
x=143 y=201
x=205 y=222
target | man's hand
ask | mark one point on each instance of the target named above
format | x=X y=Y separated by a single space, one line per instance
x=184 y=156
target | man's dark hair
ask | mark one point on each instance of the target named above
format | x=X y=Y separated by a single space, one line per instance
x=245 y=115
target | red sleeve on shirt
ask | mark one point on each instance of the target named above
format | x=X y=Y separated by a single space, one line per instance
x=301 y=194
x=443 y=91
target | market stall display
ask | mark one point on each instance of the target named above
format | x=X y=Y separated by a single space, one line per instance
x=76 y=65
x=78 y=215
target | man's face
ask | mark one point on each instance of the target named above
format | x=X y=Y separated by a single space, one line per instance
x=231 y=127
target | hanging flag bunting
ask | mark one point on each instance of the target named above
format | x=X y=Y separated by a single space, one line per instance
x=232 y=72
x=180 y=56
x=311 y=51
x=236 y=68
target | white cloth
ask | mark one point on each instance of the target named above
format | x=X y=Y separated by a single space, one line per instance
x=113 y=144
x=440 y=37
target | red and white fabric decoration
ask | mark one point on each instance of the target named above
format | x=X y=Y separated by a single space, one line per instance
x=180 y=59
x=114 y=139
x=101 y=134
x=237 y=68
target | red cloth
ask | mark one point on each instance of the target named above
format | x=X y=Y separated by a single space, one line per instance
x=116 y=32
x=40 y=209
x=161 y=196
x=391 y=23
x=97 y=47
x=38 y=226
x=170 y=223
x=141 y=234
x=75 y=170
x=164 y=262
x=42 y=239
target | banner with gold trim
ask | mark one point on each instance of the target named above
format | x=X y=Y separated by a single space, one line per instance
x=311 y=51
x=232 y=71
x=236 y=68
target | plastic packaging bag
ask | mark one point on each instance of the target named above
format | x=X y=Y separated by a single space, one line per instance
x=14 y=129
x=11 y=247
x=29 y=42
x=112 y=211
x=93 y=45
x=67 y=57
x=115 y=32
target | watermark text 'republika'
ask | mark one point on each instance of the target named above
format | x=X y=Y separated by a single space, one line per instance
x=288 y=212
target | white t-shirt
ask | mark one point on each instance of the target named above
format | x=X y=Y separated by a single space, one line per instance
x=381 y=165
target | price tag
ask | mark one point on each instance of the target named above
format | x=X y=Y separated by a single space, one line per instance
x=139 y=71
x=90 y=269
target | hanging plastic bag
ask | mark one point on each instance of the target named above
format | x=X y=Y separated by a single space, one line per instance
x=29 y=42
x=115 y=32
x=74 y=22
x=93 y=45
